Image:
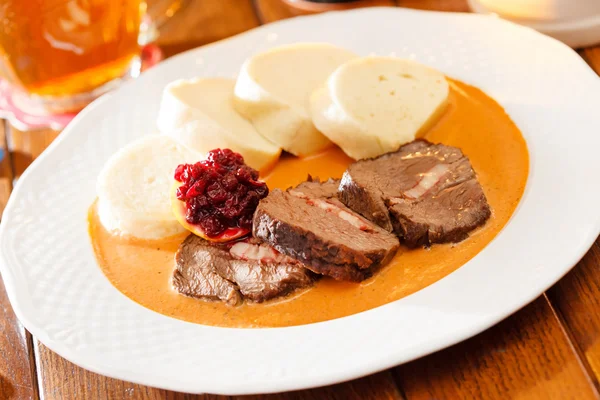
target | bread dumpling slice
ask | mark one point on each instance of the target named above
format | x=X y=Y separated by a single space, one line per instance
x=199 y=113
x=134 y=188
x=273 y=90
x=373 y=105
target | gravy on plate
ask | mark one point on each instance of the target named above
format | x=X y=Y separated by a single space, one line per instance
x=474 y=122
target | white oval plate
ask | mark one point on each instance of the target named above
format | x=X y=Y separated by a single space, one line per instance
x=59 y=293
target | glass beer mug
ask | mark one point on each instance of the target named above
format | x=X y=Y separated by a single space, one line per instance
x=65 y=53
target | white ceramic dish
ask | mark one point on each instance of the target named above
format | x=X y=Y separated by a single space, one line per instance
x=62 y=297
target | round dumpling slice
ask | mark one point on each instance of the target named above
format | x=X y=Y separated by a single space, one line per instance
x=199 y=113
x=373 y=105
x=134 y=188
x=274 y=87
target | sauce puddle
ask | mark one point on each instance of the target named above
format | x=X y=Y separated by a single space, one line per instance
x=474 y=122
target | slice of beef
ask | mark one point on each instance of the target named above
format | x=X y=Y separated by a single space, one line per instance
x=310 y=224
x=314 y=188
x=426 y=193
x=231 y=273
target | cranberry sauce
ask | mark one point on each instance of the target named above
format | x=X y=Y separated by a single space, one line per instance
x=220 y=192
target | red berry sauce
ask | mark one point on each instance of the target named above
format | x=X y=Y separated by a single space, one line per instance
x=220 y=192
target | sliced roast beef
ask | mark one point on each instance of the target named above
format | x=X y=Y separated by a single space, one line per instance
x=426 y=193
x=316 y=189
x=309 y=224
x=233 y=272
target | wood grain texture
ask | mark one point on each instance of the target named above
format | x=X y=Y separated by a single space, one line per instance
x=527 y=356
x=577 y=299
x=274 y=10
x=436 y=5
x=27 y=146
x=592 y=56
x=59 y=379
x=17 y=374
x=202 y=22
x=63 y=380
x=6 y=173
x=303 y=7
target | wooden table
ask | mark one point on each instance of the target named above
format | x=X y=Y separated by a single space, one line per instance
x=548 y=350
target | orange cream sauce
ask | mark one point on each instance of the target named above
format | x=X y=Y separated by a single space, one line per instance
x=473 y=121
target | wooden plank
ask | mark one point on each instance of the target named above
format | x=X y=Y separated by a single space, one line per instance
x=526 y=356
x=374 y=387
x=202 y=22
x=60 y=379
x=577 y=300
x=17 y=370
x=592 y=56
x=6 y=174
x=63 y=380
x=274 y=10
x=436 y=5
x=27 y=146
